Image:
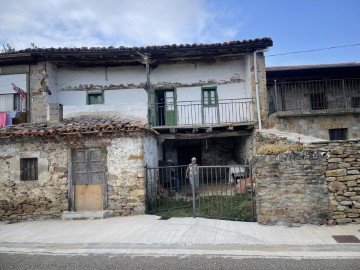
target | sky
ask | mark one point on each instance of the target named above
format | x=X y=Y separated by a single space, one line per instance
x=293 y=25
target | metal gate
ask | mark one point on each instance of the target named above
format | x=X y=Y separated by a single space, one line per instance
x=223 y=192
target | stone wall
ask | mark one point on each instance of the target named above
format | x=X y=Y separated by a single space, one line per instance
x=291 y=188
x=314 y=182
x=48 y=197
x=38 y=93
x=43 y=198
x=317 y=125
x=151 y=155
x=264 y=112
x=126 y=182
x=343 y=179
x=217 y=152
x=54 y=113
x=244 y=149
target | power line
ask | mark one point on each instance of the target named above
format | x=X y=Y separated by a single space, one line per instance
x=314 y=50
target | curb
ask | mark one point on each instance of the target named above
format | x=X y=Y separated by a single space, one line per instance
x=344 y=251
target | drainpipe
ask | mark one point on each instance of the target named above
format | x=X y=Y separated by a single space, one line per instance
x=257 y=86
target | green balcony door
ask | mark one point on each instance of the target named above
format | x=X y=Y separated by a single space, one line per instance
x=166 y=107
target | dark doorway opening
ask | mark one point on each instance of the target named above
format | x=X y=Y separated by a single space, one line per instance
x=160 y=108
x=187 y=152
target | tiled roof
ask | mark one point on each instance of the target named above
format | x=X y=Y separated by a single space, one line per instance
x=81 y=123
x=299 y=67
x=93 y=56
x=267 y=41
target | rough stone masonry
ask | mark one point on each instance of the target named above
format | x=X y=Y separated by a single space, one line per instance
x=47 y=197
x=343 y=180
x=291 y=188
x=317 y=183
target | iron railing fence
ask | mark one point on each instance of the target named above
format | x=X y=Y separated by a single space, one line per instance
x=321 y=95
x=224 y=192
x=187 y=113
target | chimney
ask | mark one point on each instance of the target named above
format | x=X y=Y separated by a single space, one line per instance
x=54 y=113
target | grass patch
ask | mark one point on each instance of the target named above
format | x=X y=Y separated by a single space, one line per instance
x=238 y=207
x=276 y=149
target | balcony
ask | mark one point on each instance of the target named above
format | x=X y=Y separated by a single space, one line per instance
x=190 y=114
x=325 y=97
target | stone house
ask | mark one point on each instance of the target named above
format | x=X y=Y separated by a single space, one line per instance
x=91 y=162
x=317 y=100
x=96 y=116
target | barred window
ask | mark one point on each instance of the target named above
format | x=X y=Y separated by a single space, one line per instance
x=338 y=134
x=355 y=102
x=28 y=169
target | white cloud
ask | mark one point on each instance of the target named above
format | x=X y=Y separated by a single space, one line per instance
x=55 y=23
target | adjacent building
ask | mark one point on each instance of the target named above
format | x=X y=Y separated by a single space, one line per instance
x=318 y=100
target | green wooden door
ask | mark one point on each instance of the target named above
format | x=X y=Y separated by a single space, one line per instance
x=170 y=108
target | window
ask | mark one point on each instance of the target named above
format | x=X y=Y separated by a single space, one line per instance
x=169 y=100
x=95 y=98
x=17 y=102
x=338 y=134
x=209 y=96
x=10 y=102
x=355 y=102
x=28 y=169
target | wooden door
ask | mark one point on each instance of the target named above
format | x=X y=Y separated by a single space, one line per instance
x=210 y=106
x=88 y=179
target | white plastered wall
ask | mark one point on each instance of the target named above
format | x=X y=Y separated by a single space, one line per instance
x=123 y=87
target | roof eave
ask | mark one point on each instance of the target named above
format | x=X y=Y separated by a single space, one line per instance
x=130 y=54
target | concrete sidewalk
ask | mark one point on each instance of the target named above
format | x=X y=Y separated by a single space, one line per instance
x=150 y=235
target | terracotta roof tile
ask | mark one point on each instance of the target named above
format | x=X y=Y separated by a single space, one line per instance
x=83 y=123
x=268 y=41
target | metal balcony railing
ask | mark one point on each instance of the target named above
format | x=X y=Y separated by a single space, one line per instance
x=317 y=96
x=189 y=113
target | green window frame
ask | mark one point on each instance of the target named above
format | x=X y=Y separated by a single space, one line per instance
x=94 y=98
x=209 y=96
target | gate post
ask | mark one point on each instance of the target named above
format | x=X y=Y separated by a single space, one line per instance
x=252 y=193
x=193 y=189
x=146 y=190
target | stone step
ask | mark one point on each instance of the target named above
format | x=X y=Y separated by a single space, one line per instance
x=86 y=215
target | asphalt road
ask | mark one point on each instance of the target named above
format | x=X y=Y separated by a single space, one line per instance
x=107 y=262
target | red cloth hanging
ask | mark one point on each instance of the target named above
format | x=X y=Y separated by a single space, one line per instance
x=3 y=119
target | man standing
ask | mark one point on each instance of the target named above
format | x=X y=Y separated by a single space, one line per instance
x=192 y=172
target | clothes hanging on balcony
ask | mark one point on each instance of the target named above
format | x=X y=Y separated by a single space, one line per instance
x=8 y=119
x=3 y=116
x=14 y=114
